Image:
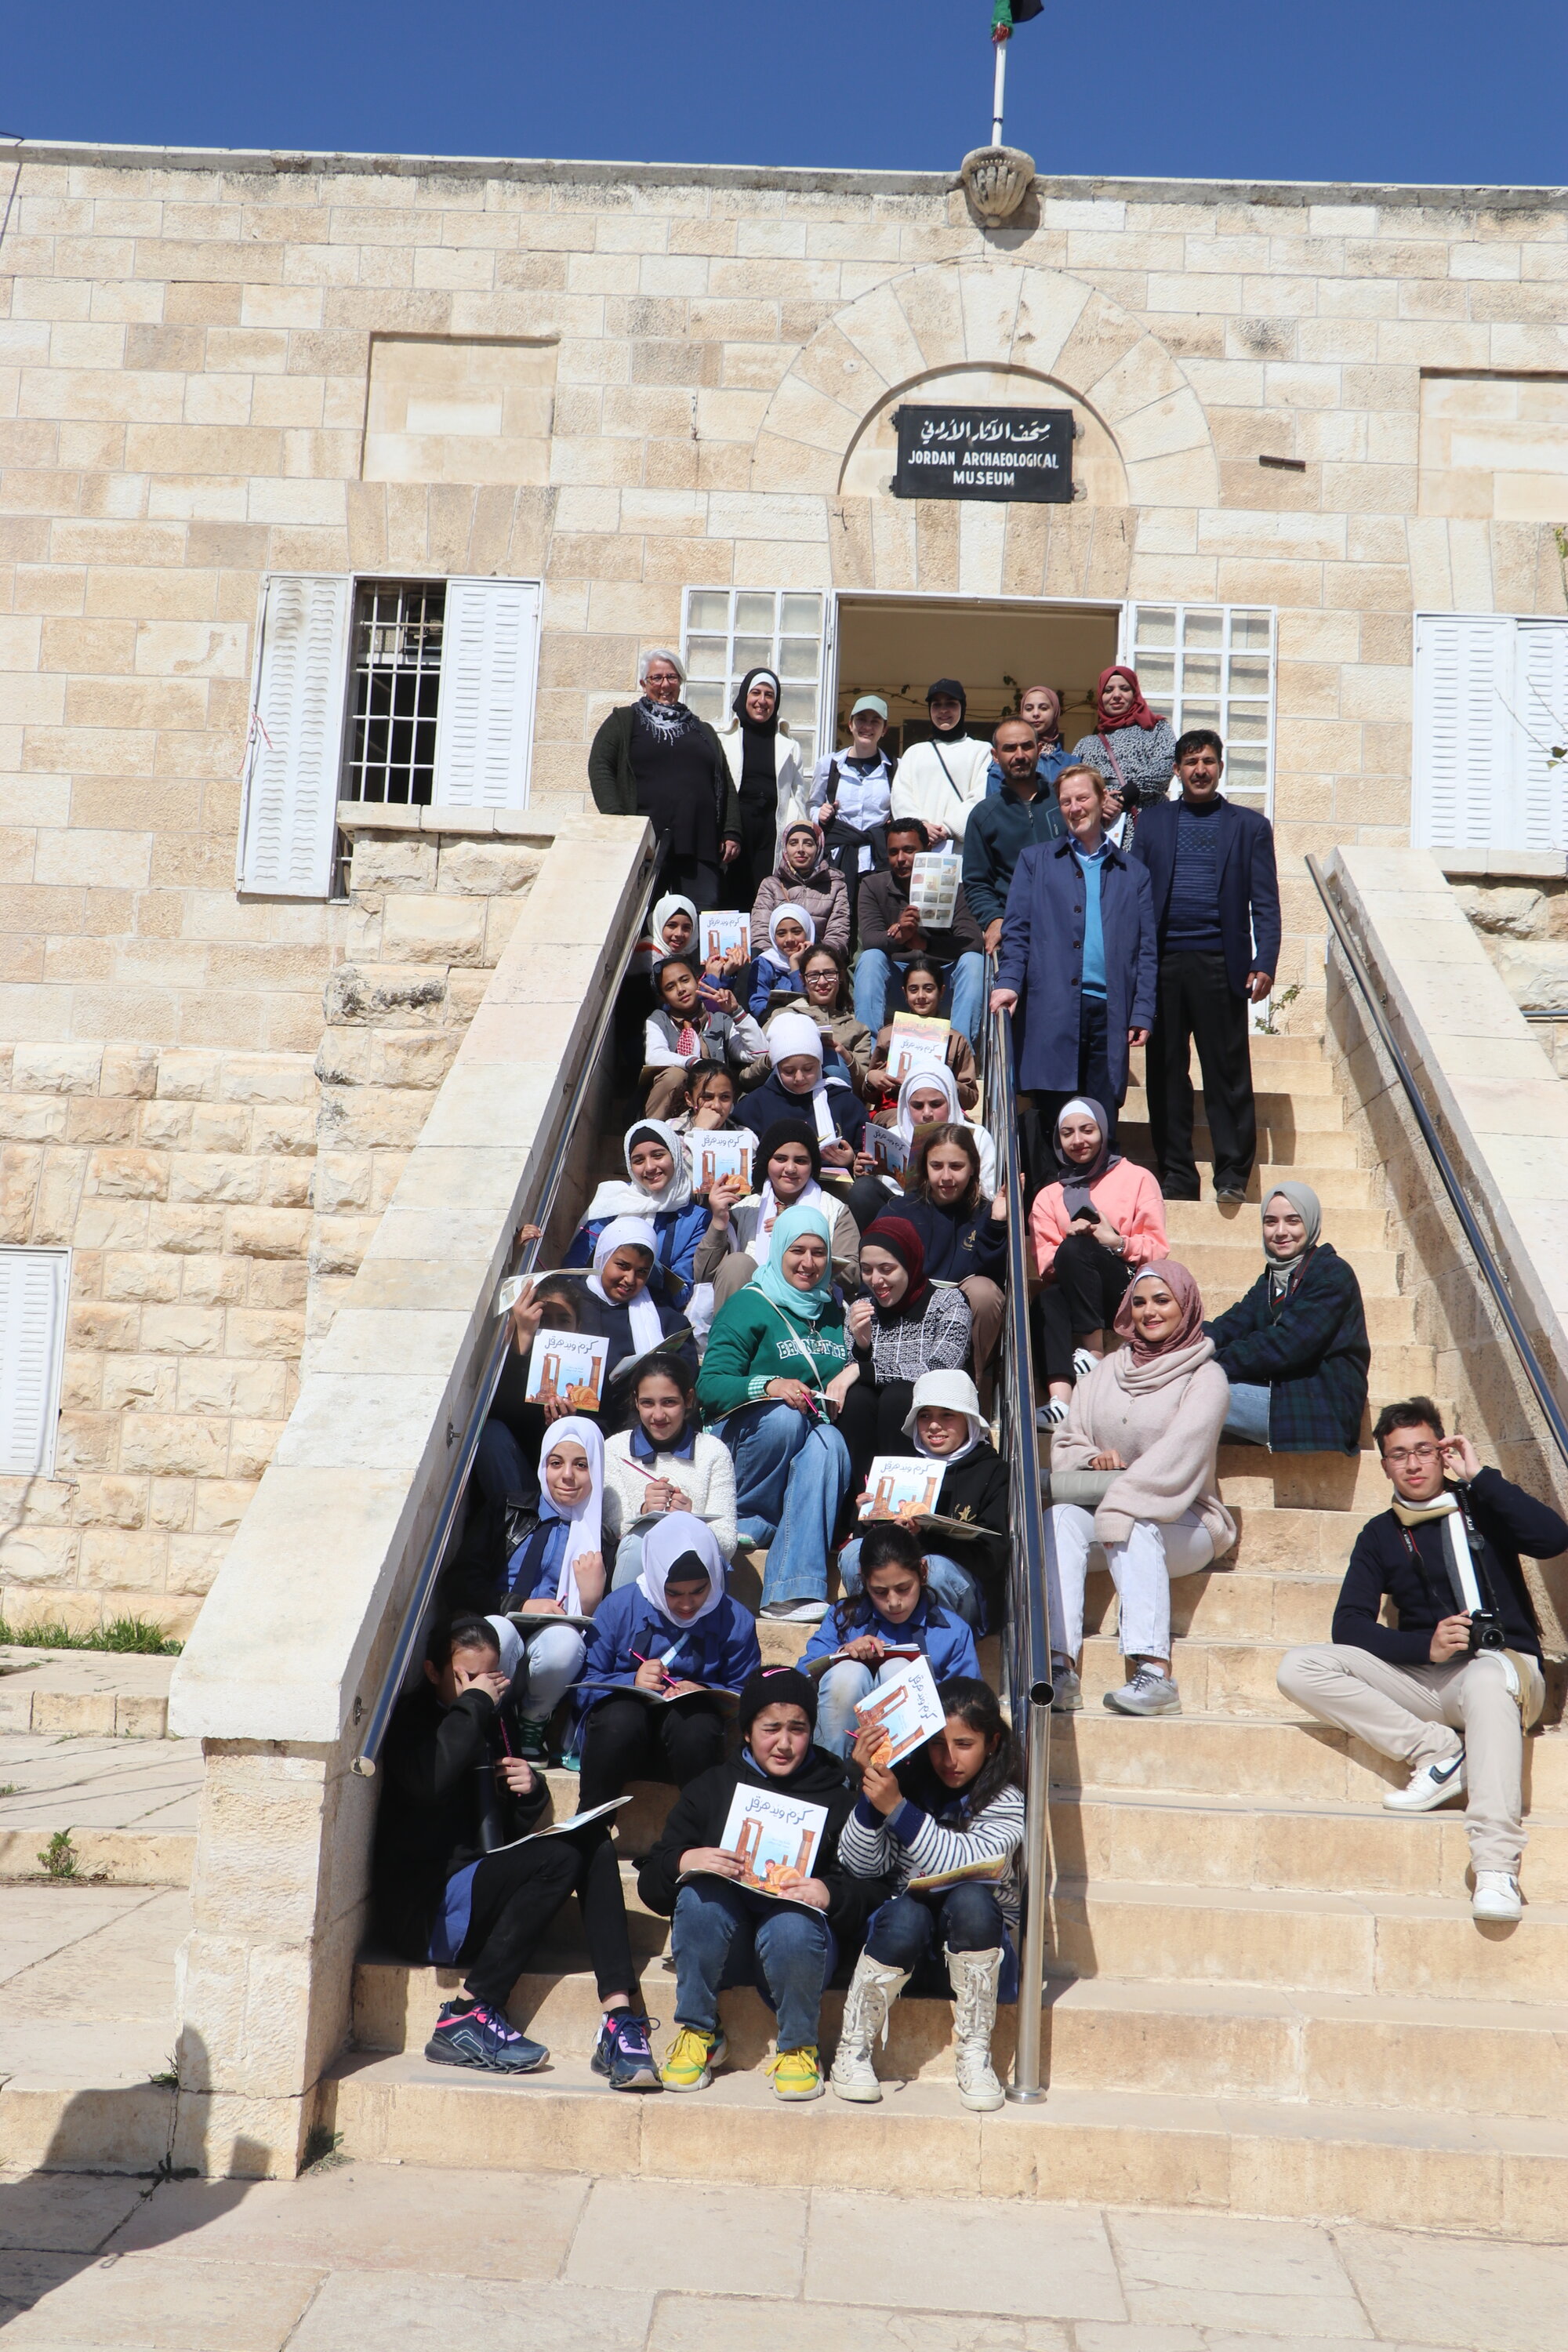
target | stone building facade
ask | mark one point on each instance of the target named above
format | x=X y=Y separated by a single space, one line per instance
x=1318 y=488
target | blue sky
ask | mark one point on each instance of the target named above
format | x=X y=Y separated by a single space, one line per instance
x=1364 y=89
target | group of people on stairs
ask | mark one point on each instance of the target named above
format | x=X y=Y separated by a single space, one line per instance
x=800 y=1275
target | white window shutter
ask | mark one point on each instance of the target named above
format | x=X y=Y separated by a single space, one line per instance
x=1464 y=732
x=289 y=815
x=1541 y=703
x=484 y=723
x=34 y=1284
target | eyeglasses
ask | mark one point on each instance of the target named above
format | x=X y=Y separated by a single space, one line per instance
x=1401 y=1454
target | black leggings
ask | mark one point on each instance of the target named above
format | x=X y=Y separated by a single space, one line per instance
x=517 y=1893
x=628 y=1739
x=871 y=1420
x=1091 y=1284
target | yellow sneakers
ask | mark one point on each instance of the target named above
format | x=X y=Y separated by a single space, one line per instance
x=796 y=2073
x=691 y=2058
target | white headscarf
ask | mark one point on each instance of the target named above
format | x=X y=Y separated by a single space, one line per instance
x=615 y=1199
x=662 y=912
x=796 y=915
x=953 y=1392
x=944 y=1078
x=584 y=1522
x=647 y=1328
x=796 y=1033
x=667 y=1541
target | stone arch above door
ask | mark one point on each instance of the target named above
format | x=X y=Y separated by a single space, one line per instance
x=1039 y=322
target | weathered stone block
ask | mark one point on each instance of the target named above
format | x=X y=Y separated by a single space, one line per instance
x=450 y=930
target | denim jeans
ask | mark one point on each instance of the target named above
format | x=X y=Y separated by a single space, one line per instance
x=791 y=1474
x=1246 y=1423
x=723 y=1935
x=963 y=993
x=956 y=1588
x=909 y=1931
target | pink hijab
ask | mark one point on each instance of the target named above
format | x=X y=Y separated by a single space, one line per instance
x=1188 y=1296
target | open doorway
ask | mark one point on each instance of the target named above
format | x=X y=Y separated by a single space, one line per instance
x=895 y=645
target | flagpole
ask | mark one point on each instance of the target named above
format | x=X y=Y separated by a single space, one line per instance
x=998 y=92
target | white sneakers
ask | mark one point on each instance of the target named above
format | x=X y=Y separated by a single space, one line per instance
x=1051 y=1415
x=1497 y=1896
x=1430 y=1785
x=1067 y=1691
x=1083 y=1363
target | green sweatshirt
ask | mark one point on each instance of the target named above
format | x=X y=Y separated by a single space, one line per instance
x=753 y=1342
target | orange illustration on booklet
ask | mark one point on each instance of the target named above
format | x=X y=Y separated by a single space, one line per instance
x=906 y=1711
x=569 y=1364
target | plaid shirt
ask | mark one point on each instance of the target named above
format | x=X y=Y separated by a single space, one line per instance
x=1309 y=1349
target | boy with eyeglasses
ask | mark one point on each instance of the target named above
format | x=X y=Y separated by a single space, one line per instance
x=1451 y=1689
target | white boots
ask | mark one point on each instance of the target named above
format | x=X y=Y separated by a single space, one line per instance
x=872 y=1991
x=974 y=1976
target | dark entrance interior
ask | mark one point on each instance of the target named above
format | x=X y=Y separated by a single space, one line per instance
x=895 y=645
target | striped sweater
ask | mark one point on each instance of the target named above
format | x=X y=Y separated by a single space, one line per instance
x=911 y=1843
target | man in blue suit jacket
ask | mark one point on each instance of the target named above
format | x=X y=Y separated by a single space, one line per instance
x=1077 y=962
x=1217 y=906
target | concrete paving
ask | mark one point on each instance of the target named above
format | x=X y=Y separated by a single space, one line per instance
x=401 y=2256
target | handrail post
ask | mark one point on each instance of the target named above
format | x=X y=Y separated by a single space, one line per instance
x=1029 y=1653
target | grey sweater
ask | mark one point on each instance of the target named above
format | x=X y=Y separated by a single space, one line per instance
x=1145 y=755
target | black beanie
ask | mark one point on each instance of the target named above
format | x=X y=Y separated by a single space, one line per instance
x=774 y=1684
x=948 y=686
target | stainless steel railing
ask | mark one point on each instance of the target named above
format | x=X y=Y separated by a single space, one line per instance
x=524 y=1258
x=1028 y=1635
x=1490 y=1272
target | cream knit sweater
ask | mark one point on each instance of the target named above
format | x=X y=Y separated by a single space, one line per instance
x=1164 y=1419
x=709 y=1478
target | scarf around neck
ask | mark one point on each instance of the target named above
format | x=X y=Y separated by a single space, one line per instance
x=642 y=1311
x=667 y=722
x=1078 y=1177
x=1140 y=715
x=1282 y=1271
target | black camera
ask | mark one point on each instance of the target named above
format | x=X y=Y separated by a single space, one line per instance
x=1486 y=1631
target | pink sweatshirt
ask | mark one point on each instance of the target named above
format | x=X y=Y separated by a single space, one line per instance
x=1128 y=1196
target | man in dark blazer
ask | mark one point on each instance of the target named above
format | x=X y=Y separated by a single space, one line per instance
x=1217 y=907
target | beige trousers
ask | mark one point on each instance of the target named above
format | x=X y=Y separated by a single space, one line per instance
x=1413 y=1712
x=665 y=1090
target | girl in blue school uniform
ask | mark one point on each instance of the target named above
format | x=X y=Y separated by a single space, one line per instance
x=659 y=1192
x=656 y=1652
x=894 y=1608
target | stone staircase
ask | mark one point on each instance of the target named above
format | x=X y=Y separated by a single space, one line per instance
x=1265 y=1995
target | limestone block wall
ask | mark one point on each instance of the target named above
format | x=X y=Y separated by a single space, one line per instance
x=216 y=1205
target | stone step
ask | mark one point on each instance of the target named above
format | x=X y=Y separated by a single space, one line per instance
x=1211 y=2041
x=1321 y=1941
x=126 y=1807
x=1479 y=2058
x=1218 y=1678
x=1300 y=1112
x=1235 y=1265
x=1287 y=1149
x=1353 y=1231
x=1166 y=1838
x=1505 y=2176
x=88 y=1693
x=1232 y=1606
x=107 y=1857
x=1205 y=1756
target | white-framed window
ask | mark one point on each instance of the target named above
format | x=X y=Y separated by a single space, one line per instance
x=406 y=691
x=1211 y=665
x=1490 y=715
x=728 y=630
x=34 y=1289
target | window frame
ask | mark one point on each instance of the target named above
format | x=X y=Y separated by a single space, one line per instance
x=779 y=636
x=1180 y=721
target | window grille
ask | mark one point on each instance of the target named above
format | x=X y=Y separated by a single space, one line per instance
x=1212 y=666
x=729 y=631
x=396 y=684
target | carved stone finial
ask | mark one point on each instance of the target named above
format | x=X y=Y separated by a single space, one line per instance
x=997 y=180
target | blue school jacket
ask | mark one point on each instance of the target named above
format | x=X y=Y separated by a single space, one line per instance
x=946 y=1640
x=720 y=1648
x=678 y=1232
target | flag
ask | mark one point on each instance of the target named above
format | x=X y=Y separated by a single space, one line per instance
x=1008 y=13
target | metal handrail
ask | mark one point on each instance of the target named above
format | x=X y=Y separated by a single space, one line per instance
x=1029 y=1646
x=1491 y=1273
x=523 y=1261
